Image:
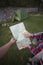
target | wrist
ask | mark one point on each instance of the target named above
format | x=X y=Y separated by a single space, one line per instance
x=31 y=35
x=10 y=43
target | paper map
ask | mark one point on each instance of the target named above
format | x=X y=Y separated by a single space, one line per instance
x=17 y=32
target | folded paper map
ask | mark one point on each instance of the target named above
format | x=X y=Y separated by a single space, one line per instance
x=17 y=32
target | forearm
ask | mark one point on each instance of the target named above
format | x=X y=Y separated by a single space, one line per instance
x=4 y=49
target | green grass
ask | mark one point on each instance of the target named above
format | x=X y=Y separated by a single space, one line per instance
x=14 y=56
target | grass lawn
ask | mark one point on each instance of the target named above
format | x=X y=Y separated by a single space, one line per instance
x=14 y=56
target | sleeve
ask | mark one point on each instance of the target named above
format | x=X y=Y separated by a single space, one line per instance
x=35 y=35
x=34 y=50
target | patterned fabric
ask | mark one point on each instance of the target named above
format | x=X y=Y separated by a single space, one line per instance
x=39 y=47
x=37 y=35
x=35 y=50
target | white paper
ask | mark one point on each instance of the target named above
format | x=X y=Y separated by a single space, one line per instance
x=17 y=31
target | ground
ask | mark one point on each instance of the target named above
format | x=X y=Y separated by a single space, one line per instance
x=15 y=56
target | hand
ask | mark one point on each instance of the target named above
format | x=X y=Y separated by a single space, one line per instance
x=24 y=46
x=12 y=40
x=27 y=34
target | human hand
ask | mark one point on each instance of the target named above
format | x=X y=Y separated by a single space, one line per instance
x=12 y=40
x=24 y=46
x=27 y=34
